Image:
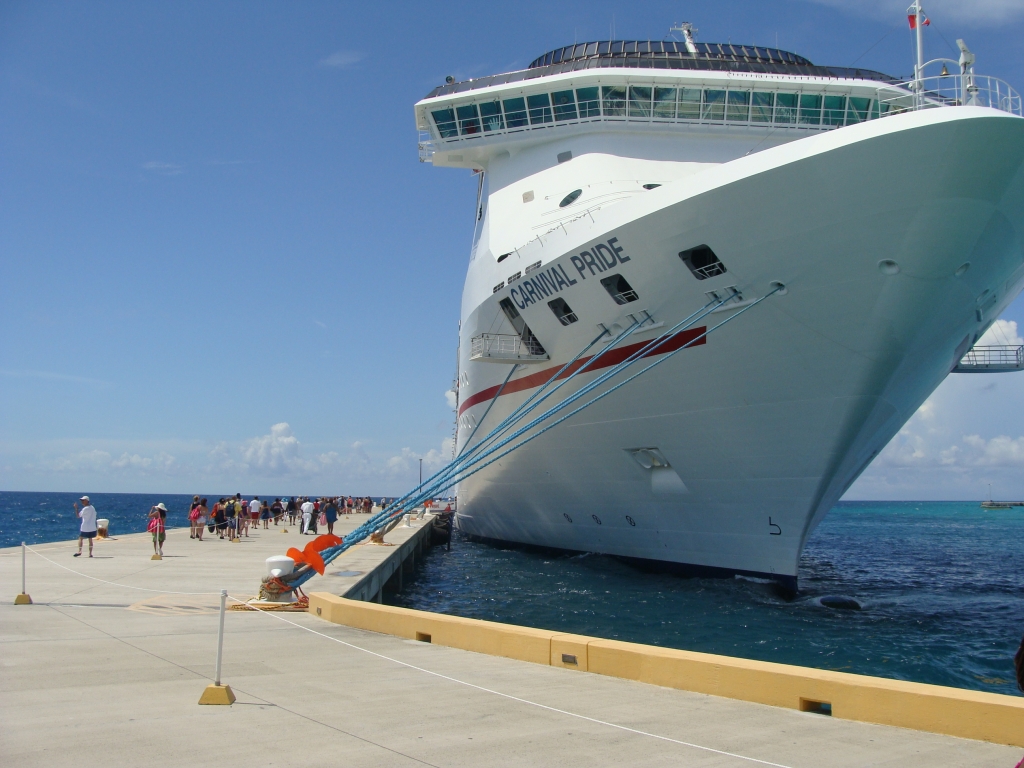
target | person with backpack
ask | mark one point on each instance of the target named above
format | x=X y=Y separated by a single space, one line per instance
x=158 y=527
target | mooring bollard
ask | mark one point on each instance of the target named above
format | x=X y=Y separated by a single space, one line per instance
x=217 y=693
x=23 y=598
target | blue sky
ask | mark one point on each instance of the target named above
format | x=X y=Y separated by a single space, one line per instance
x=224 y=268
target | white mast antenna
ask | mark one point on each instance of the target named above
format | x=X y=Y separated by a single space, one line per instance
x=688 y=31
x=915 y=13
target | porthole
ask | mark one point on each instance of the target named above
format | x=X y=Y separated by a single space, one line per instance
x=566 y=516
x=651 y=186
x=571 y=198
x=596 y=519
x=504 y=256
x=631 y=521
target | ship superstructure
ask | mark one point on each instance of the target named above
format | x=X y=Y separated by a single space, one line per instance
x=622 y=185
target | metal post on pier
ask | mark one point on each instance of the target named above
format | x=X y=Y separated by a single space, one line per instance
x=217 y=693
x=23 y=598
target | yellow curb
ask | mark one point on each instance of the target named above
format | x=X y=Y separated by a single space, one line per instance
x=23 y=599
x=217 y=694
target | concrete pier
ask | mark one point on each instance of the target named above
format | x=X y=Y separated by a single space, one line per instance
x=98 y=673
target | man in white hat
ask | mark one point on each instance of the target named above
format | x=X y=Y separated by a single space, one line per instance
x=87 y=530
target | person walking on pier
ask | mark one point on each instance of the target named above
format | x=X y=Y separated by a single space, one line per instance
x=307 y=517
x=158 y=527
x=277 y=510
x=331 y=514
x=87 y=530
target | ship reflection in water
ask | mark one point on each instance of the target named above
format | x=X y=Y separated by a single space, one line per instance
x=938 y=585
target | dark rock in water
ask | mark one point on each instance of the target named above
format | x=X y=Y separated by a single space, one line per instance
x=838 y=601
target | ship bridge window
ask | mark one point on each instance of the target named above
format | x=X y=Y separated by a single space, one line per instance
x=689 y=103
x=540 y=108
x=563 y=311
x=565 y=105
x=703 y=262
x=665 y=103
x=714 y=105
x=515 y=112
x=810 y=109
x=834 y=111
x=571 y=198
x=785 y=107
x=589 y=102
x=444 y=119
x=490 y=115
x=614 y=98
x=738 y=107
x=858 y=110
x=619 y=289
x=639 y=101
x=761 y=107
x=469 y=119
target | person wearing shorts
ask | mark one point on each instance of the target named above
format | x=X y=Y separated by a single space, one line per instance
x=201 y=519
x=87 y=530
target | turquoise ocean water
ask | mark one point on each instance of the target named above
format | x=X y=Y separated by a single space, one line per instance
x=941 y=585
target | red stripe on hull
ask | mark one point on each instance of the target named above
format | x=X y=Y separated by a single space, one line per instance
x=613 y=357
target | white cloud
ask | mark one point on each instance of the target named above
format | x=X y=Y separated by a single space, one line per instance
x=1001 y=332
x=163 y=169
x=274 y=452
x=341 y=59
x=451 y=398
x=973 y=13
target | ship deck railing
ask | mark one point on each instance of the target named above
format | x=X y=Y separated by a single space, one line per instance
x=992 y=359
x=506 y=348
x=776 y=105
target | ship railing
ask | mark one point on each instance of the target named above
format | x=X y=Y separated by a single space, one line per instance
x=501 y=347
x=426 y=146
x=949 y=91
x=992 y=359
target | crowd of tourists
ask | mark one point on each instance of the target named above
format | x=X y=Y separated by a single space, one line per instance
x=234 y=516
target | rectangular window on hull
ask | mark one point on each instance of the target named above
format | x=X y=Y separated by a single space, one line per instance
x=810 y=109
x=834 y=111
x=563 y=311
x=714 y=106
x=619 y=289
x=703 y=262
x=530 y=342
x=689 y=103
x=761 y=107
x=785 y=107
x=738 y=108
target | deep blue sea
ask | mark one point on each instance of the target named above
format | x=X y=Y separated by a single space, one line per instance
x=941 y=585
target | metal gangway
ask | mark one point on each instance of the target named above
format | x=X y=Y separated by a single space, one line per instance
x=1000 y=358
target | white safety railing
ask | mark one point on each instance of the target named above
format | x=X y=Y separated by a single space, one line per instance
x=949 y=91
x=496 y=346
x=992 y=359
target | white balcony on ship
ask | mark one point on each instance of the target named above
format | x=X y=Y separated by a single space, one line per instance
x=506 y=348
x=992 y=359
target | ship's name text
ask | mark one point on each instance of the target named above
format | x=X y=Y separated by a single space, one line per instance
x=551 y=281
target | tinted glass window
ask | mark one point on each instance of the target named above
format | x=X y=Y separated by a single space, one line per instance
x=563 y=311
x=490 y=116
x=703 y=262
x=785 y=108
x=571 y=198
x=589 y=103
x=565 y=105
x=469 y=120
x=834 y=111
x=689 y=103
x=858 y=110
x=639 y=101
x=444 y=119
x=761 y=107
x=614 y=100
x=714 y=105
x=665 y=102
x=810 y=109
x=540 y=108
x=515 y=112
x=738 y=106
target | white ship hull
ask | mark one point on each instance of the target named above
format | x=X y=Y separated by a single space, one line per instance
x=770 y=421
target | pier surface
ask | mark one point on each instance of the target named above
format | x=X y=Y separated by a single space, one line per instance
x=94 y=673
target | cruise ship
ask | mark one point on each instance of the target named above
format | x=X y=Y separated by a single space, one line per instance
x=847 y=236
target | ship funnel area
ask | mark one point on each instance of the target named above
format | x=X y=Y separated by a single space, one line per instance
x=524 y=425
